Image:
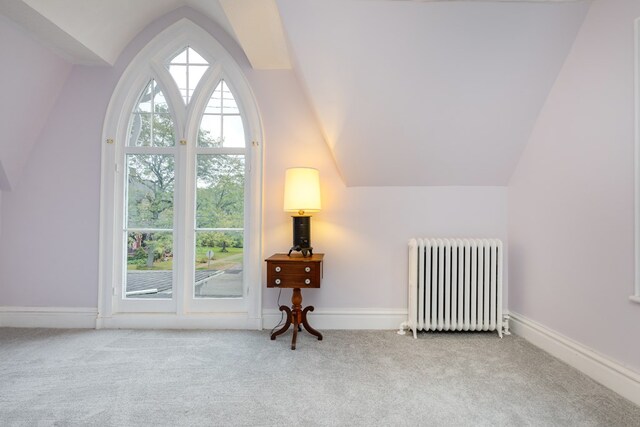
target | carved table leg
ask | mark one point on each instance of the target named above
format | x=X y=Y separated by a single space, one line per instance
x=296 y=316
x=282 y=330
x=306 y=323
x=296 y=313
x=295 y=331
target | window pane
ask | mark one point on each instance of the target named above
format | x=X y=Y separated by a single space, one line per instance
x=195 y=58
x=233 y=131
x=150 y=182
x=214 y=106
x=229 y=105
x=218 y=264
x=163 y=135
x=195 y=74
x=144 y=102
x=221 y=124
x=179 y=74
x=210 y=134
x=140 y=130
x=180 y=58
x=149 y=265
x=220 y=191
x=187 y=69
x=159 y=102
x=151 y=123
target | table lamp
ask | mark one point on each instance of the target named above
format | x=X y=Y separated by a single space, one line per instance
x=302 y=196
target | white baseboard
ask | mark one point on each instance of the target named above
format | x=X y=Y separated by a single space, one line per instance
x=48 y=317
x=87 y=318
x=382 y=319
x=67 y=317
x=607 y=372
x=172 y=321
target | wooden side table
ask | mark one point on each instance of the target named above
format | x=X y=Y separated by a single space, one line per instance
x=295 y=272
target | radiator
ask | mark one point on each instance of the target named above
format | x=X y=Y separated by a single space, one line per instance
x=455 y=285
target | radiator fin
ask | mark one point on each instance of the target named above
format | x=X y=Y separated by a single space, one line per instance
x=455 y=285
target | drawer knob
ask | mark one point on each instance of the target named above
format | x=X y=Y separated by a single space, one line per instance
x=278 y=269
x=307 y=281
x=278 y=281
x=307 y=269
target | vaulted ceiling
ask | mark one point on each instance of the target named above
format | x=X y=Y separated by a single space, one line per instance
x=428 y=93
x=405 y=92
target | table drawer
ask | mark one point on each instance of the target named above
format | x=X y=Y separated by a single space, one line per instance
x=293 y=275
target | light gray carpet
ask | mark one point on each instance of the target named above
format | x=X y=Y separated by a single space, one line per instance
x=192 y=378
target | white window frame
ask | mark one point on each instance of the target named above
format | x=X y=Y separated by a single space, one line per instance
x=636 y=295
x=114 y=311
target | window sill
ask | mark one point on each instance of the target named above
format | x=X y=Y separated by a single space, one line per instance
x=635 y=298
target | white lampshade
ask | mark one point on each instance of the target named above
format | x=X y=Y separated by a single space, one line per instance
x=302 y=190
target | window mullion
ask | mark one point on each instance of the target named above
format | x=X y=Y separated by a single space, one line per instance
x=221 y=150
x=220 y=229
x=187 y=211
x=153 y=112
x=150 y=150
x=146 y=229
x=187 y=79
x=178 y=228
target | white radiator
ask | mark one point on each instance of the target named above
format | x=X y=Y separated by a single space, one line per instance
x=455 y=285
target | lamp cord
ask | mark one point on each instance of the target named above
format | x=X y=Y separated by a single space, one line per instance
x=281 y=313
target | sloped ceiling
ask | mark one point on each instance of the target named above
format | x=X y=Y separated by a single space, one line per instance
x=428 y=93
x=30 y=81
x=406 y=92
x=85 y=32
x=94 y=32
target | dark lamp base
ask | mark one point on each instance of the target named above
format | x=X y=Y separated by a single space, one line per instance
x=302 y=235
x=305 y=251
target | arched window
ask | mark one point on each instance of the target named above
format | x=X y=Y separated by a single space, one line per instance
x=180 y=224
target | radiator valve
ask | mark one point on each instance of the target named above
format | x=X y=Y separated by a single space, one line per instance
x=403 y=328
x=505 y=324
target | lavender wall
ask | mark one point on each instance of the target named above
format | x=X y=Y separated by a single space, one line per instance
x=571 y=213
x=31 y=78
x=363 y=231
x=48 y=250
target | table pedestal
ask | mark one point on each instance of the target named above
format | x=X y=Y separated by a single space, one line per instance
x=296 y=316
